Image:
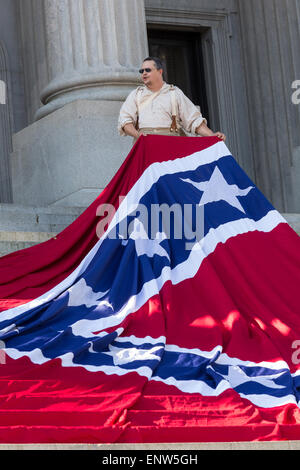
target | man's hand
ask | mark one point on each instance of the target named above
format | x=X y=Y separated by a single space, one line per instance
x=220 y=135
x=130 y=130
x=205 y=131
x=142 y=133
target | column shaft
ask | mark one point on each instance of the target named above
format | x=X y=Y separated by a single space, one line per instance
x=86 y=49
x=271 y=35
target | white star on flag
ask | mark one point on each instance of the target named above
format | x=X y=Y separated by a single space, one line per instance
x=145 y=245
x=217 y=189
x=126 y=355
x=82 y=294
x=236 y=376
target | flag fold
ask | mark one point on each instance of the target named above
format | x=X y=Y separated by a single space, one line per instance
x=167 y=312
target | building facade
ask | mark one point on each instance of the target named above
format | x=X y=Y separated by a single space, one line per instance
x=67 y=67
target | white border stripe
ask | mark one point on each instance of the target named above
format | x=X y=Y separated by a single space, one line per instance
x=36 y=356
x=224 y=359
x=200 y=387
x=152 y=174
x=195 y=351
x=195 y=386
x=181 y=272
x=186 y=386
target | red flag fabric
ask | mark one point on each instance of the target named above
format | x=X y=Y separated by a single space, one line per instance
x=167 y=312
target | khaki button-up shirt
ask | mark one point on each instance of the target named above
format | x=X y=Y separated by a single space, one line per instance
x=158 y=112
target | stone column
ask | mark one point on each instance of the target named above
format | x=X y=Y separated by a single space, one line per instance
x=82 y=49
x=5 y=127
x=270 y=38
x=81 y=61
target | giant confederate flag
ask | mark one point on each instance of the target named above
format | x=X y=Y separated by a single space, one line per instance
x=128 y=327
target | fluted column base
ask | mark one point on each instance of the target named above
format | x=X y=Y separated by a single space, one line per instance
x=110 y=86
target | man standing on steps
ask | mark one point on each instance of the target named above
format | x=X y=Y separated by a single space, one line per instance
x=159 y=108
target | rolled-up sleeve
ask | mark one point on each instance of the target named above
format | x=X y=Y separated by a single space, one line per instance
x=189 y=115
x=128 y=112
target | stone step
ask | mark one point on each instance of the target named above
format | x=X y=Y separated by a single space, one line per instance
x=15 y=218
x=24 y=226
x=172 y=447
x=294 y=221
x=14 y=241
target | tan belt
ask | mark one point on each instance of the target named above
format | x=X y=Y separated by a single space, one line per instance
x=158 y=130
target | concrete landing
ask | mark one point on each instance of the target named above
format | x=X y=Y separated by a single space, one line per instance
x=266 y=445
x=15 y=217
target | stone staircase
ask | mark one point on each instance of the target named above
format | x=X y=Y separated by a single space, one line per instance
x=25 y=226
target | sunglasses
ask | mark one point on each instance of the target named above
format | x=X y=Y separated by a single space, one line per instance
x=145 y=70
